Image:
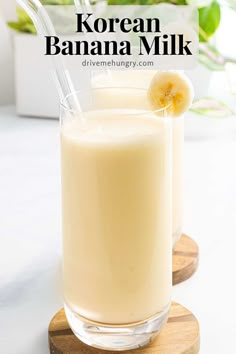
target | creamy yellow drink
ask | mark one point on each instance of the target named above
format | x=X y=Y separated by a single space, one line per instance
x=116 y=188
x=142 y=78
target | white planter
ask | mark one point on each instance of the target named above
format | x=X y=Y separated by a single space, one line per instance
x=6 y=64
x=36 y=93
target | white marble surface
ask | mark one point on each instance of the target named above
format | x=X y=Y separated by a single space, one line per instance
x=30 y=247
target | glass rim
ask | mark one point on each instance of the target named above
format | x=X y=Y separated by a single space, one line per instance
x=140 y=89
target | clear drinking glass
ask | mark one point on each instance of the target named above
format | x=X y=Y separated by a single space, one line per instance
x=177 y=178
x=142 y=79
x=117 y=217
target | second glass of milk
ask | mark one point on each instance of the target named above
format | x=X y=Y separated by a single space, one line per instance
x=117 y=217
x=142 y=78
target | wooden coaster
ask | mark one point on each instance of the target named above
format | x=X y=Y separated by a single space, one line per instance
x=185 y=259
x=179 y=336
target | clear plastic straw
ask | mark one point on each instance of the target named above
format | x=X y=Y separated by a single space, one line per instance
x=44 y=26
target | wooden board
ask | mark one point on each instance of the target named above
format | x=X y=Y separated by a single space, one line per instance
x=179 y=336
x=185 y=259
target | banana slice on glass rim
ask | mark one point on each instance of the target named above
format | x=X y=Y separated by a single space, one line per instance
x=171 y=90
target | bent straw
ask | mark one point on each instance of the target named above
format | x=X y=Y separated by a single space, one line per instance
x=44 y=26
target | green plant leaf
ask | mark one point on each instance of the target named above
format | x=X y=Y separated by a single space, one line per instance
x=211 y=108
x=22 y=27
x=25 y=24
x=30 y=28
x=15 y=26
x=209 y=20
x=22 y=15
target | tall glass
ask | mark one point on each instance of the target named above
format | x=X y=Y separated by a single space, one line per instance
x=142 y=78
x=117 y=216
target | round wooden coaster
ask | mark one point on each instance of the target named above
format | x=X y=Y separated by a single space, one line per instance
x=179 y=336
x=185 y=259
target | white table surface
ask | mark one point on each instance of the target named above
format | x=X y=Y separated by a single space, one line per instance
x=30 y=235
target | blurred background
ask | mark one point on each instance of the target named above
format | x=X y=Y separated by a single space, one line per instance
x=214 y=79
x=7 y=13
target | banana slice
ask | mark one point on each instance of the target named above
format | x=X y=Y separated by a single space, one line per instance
x=170 y=89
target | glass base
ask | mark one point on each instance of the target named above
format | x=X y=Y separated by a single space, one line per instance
x=116 y=337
